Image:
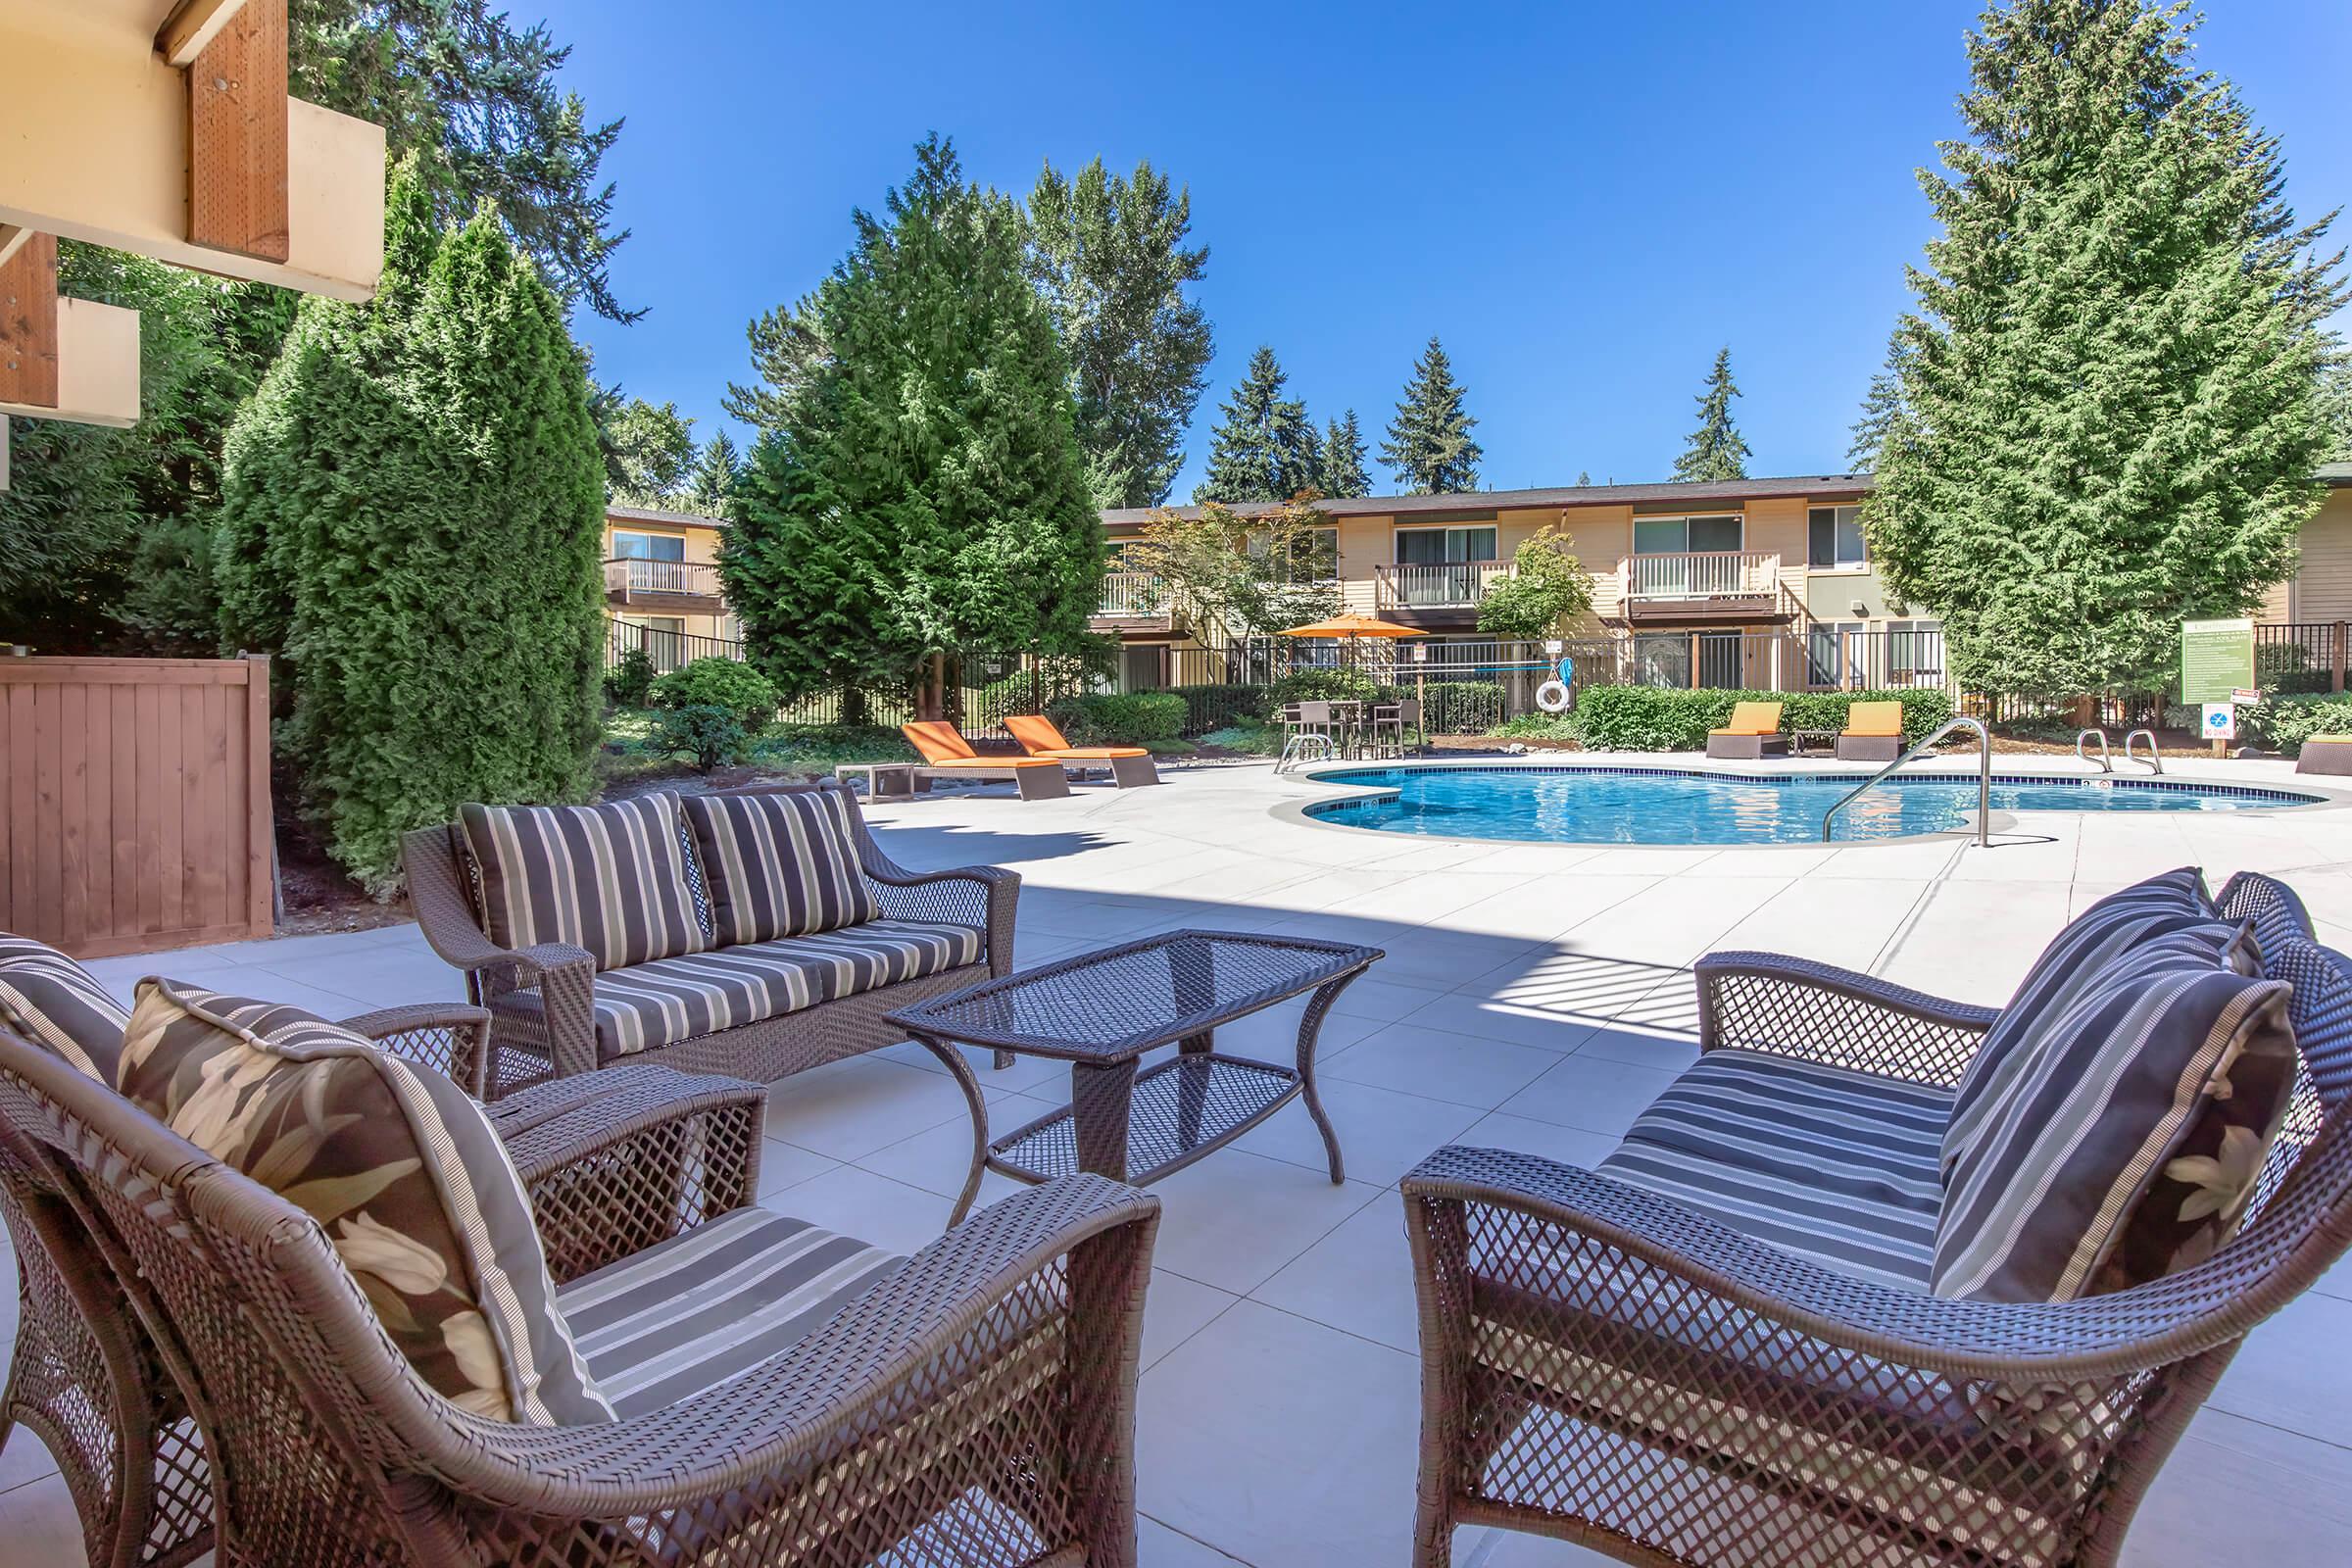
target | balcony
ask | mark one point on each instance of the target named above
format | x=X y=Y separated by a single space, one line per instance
x=1434 y=593
x=687 y=585
x=1694 y=587
x=1133 y=602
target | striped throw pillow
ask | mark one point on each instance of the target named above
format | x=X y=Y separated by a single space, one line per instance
x=780 y=864
x=400 y=1169
x=2117 y=924
x=54 y=1002
x=610 y=878
x=2154 y=1059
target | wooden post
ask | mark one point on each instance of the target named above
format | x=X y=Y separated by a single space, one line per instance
x=2336 y=670
x=1694 y=662
x=261 y=822
x=28 y=323
x=238 y=163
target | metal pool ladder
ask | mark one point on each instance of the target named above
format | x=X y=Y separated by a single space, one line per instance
x=2155 y=761
x=2106 y=757
x=1295 y=750
x=1983 y=776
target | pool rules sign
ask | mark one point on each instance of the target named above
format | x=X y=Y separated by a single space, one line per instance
x=2217 y=665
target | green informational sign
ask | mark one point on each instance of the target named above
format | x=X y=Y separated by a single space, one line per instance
x=2217 y=657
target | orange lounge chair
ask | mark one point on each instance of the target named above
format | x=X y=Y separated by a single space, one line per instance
x=1130 y=765
x=1754 y=732
x=1873 y=733
x=947 y=753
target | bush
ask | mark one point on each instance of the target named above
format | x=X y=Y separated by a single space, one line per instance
x=1322 y=685
x=1209 y=708
x=1651 y=718
x=713 y=735
x=1455 y=706
x=716 y=682
x=2284 y=723
x=1252 y=739
x=1538 y=728
x=816 y=748
x=2284 y=667
x=1132 y=718
x=630 y=683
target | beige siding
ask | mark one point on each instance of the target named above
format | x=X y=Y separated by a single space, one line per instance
x=2322 y=589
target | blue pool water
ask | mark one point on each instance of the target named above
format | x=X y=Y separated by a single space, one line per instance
x=1660 y=806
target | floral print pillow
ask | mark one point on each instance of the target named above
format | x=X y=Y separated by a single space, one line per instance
x=400 y=1169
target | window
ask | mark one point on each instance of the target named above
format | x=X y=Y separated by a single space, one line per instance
x=1914 y=651
x=663 y=638
x=1835 y=539
x=1832 y=649
x=627 y=545
x=1675 y=536
x=1440 y=566
x=1314 y=557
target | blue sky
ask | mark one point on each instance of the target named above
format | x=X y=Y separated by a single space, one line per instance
x=1584 y=202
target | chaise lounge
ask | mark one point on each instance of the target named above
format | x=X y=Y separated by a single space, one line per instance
x=1752 y=732
x=1876 y=1280
x=948 y=755
x=1130 y=765
x=757 y=934
x=1873 y=733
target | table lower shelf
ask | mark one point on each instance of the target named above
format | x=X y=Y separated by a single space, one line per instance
x=1181 y=1110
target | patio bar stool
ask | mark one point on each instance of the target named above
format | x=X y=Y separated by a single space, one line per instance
x=1390 y=721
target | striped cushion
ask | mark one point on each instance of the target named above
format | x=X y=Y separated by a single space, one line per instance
x=711 y=1304
x=400 y=1169
x=1837 y=1165
x=2150 y=1063
x=672 y=1000
x=607 y=878
x=780 y=864
x=53 y=1002
x=2114 y=926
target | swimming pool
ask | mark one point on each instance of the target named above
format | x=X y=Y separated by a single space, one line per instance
x=1601 y=804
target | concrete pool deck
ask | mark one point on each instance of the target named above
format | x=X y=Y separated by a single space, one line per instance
x=1534 y=997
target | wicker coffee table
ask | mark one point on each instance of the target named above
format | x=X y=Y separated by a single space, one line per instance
x=1103 y=1011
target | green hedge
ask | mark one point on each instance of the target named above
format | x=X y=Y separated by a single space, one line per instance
x=1132 y=718
x=1650 y=718
x=716 y=682
x=2284 y=723
x=1216 y=705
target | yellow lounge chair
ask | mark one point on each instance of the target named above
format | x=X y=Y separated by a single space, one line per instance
x=1130 y=765
x=1873 y=733
x=947 y=753
x=1754 y=732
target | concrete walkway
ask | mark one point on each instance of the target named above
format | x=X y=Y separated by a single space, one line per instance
x=1534 y=997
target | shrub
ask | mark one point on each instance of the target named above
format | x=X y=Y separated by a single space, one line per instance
x=2284 y=723
x=1538 y=728
x=1322 y=685
x=1651 y=718
x=1132 y=718
x=1456 y=707
x=716 y=682
x=2284 y=667
x=713 y=735
x=1256 y=740
x=1209 y=708
x=630 y=683
x=816 y=748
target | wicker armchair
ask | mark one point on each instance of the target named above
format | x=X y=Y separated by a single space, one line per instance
x=615 y=1161
x=541 y=998
x=975 y=1409
x=1604 y=1366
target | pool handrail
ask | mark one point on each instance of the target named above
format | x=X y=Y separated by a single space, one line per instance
x=2154 y=759
x=1983 y=776
x=2106 y=757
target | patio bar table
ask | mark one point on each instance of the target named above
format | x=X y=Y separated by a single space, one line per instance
x=1103 y=1011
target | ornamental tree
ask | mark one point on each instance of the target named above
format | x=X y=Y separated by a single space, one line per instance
x=1230 y=576
x=1548 y=589
x=2109 y=378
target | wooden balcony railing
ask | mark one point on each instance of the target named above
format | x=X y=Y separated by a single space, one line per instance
x=629 y=575
x=1441 y=585
x=1127 y=594
x=1702 y=574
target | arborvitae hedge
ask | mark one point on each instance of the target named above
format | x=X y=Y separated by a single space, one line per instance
x=412 y=521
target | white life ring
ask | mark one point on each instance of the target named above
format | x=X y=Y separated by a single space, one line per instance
x=1553 y=697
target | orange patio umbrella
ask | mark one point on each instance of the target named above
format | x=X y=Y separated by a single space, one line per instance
x=1352 y=626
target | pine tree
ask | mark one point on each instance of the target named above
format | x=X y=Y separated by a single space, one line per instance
x=2335 y=408
x=1264 y=447
x=1429 y=446
x=924 y=493
x=1109 y=257
x=2113 y=362
x=716 y=474
x=1583 y=478
x=413 y=517
x=1342 y=466
x=1715 y=450
x=1883 y=417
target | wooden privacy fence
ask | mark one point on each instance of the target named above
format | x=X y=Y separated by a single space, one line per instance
x=134 y=802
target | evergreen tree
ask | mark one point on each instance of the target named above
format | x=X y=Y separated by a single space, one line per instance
x=1109 y=257
x=1715 y=450
x=715 y=473
x=785 y=351
x=1342 y=466
x=1264 y=447
x=924 y=493
x=1429 y=446
x=650 y=454
x=1583 y=478
x=2336 y=409
x=2112 y=367
x=1883 y=417
x=413 y=517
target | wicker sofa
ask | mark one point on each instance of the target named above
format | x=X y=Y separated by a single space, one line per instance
x=1606 y=1364
x=614 y=1163
x=559 y=1009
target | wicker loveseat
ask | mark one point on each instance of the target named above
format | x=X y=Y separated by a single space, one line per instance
x=701 y=884
x=1606 y=1364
